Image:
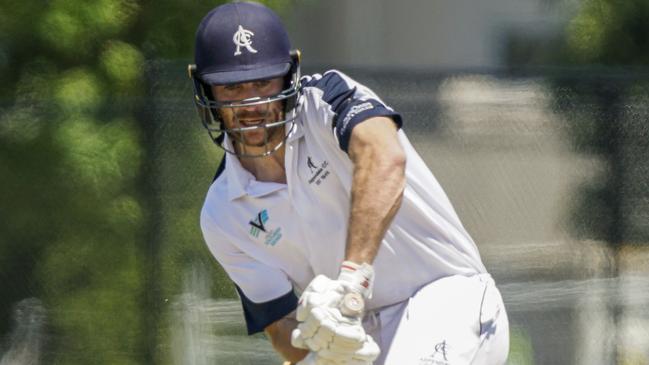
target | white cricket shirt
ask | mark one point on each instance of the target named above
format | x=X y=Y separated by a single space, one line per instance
x=273 y=239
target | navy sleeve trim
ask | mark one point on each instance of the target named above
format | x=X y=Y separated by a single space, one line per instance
x=259 y=315
x=336 y=92
x=350 y=105
x=359 y=112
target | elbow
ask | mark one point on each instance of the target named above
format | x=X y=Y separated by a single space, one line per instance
x=391 y=172
x=395 y=164
x=394 y=180
x=397 y=160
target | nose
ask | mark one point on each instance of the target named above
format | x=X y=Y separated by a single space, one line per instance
x=252 y=111
x=248 y=91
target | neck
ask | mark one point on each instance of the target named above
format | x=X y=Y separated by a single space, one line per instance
x=268 y=168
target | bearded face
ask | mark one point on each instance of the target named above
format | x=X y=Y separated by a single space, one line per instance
x=250 y=125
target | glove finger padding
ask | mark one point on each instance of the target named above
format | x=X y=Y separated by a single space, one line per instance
x=320 y=323
x=349 y=335
x=315 y=345
x=369 y=352
x=321 y=292
x=324 y=330
x=326 y=327
x=297 y=340
x=313 y=322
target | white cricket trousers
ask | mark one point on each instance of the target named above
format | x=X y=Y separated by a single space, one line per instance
x=454 y=320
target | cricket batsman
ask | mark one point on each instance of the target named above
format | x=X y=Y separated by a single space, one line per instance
x=342 y=245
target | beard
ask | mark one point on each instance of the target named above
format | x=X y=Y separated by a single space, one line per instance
x=260 y=137
x=263 y=136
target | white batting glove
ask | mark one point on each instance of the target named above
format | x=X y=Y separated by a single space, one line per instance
x=323 y=291
x=324 y=330
x=364 y=356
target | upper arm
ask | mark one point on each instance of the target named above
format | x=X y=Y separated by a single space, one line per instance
x=376 y=137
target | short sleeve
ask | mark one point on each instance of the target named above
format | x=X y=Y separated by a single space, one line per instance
x=259 y=315
x=266 y=293
x=351 y=102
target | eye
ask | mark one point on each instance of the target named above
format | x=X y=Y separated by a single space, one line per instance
x=262 y=83
x=227 y=92
x=232 y=87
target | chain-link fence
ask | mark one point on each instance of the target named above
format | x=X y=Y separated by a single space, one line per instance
x=548 y=173
x=520 y=157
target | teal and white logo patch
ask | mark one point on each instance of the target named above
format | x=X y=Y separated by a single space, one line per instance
x=258 y=225
x=273 y=236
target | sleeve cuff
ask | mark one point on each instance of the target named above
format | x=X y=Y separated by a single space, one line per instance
x=372 y=109
x=259 y=315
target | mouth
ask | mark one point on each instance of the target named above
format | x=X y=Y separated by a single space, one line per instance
x=251 y=122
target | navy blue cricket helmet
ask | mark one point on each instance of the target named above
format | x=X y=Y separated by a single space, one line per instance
x=242 y=42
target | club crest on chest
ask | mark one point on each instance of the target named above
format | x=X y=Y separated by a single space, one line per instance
x=259 y=229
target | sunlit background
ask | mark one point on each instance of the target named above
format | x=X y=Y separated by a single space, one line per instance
x=533 y=114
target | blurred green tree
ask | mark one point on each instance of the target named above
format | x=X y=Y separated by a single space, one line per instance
x=88 y=224
x=72 y=216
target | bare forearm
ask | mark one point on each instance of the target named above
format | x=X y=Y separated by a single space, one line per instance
x=280 y=337
x=377 y=189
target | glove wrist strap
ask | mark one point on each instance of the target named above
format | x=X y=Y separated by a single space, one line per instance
x=359 y=277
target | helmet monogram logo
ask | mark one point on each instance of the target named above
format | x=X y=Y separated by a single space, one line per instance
x=243 y=38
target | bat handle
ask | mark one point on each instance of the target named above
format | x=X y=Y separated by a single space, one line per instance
x=352 y=305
